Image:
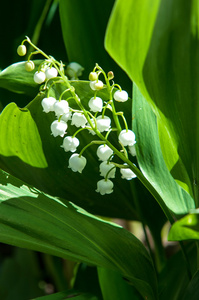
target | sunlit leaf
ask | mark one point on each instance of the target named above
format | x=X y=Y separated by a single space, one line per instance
x=16 y=79
x=158 y=48
x=151 y=160
x=33 y=220
x=186 y=228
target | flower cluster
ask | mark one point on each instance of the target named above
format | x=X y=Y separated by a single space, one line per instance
x=95 y=121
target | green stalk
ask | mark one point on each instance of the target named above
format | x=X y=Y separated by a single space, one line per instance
x=39 y=25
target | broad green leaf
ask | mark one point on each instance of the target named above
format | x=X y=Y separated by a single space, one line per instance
x=158 y=49
x=115 y=287
x=29 y=152
x=186 y=228
x=40 y=222
x=16 y=79
x=24 y=141
x=151 y=161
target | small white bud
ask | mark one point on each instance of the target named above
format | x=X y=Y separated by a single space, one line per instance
x=58 y=128
x=127 y=173
x=51 y=73
x=70 y=143
x=78 y=120
x=61 y=107
x=105 y=167
x=95 y=104
x=39 y=77
x=127 y=138
x=77 y=163
x=48 y=104
x=121 y=96
x=104 y=186
x=104 y=152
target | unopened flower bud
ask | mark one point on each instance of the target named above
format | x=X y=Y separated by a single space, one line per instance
x=93 y=76
x=29 y=65
x=110 y=75
x=21 y=50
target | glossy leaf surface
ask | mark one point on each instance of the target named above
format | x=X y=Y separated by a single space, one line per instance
x=151 y=160
x=16 y=79
x=33 y=220
x=186 y=228
x=158 y=49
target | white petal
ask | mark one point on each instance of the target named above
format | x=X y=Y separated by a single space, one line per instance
x=104 y=186
x=104 y=152
x=77 y=163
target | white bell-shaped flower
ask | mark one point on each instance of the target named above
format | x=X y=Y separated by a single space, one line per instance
x=104 y=186
x=127 y=173
x=51 y=73
x=74 y=70
x=39 y=77
x=48 y=104
x=79 y=120
x=77 y=163
x=120 y=96
x=105 y=167
x=127 y=138
x=70 y=143
x=104 y=152
x=132 y=150
x=95 y=104
x=96 y=85
x=58 y=128
x=61 y=107
x=67 y=116
x=103 y=123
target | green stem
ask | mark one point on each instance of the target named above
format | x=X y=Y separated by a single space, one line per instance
x=38 y=27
